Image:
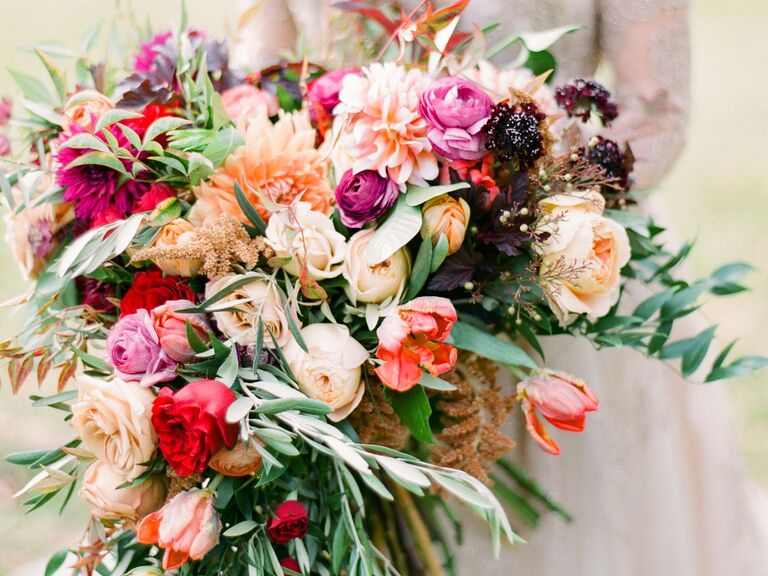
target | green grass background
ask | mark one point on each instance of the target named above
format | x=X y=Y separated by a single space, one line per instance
x=718 y=194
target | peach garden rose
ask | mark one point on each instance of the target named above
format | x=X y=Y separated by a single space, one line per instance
x=581 y=260
x=381 y=283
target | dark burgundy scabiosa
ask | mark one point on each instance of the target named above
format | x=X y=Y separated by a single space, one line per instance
x=94 y=189
x=608 y=155
x=580 y=97
x=516 y=133
x=95 y=294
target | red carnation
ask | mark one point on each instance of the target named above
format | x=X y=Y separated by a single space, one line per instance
x=290 y=521
x=151 y=198
x=151 y=289
x=190 y=424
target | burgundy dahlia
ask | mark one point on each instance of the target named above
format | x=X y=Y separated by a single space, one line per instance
x=581 y=97
x=94 y=189
x=516 y=133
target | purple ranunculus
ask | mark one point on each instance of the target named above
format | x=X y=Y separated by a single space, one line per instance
x=364 y=196
x=324 y=91
x=456 y=110
x=133 y=349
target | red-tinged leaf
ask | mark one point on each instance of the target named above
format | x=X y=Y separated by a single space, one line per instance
x=367 y=11
x=43 y=367
x=443 y=16
x=19 y=370
x=67 y=372
x=309 y=286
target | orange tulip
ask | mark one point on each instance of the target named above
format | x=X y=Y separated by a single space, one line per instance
x=562 y=400
x=187 y=527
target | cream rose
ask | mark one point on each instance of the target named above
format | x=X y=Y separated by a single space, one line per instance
x=100 y=489
x=176 y=233
x=308 y=238
x=381 y=283
x=237 y=314
x=331 y=370
x=583 y=256
x=114 y=421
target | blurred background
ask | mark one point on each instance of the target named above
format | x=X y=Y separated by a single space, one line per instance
x=717 y=195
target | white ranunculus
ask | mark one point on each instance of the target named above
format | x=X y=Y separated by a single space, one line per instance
x=245 y=306
x=381 y=283
x=331 y=370
x=583 y=256
x=113 y=419
x=99 y=488
x=309 y=239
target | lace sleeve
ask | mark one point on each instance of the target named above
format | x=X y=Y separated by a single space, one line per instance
x=265 y=29
x=647 y=44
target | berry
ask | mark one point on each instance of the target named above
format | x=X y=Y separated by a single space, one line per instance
x=581 y=96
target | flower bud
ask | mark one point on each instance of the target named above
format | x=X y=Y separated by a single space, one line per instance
x=242 y=460
x=447 y=216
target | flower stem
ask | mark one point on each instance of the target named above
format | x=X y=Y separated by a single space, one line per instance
x=213 y=484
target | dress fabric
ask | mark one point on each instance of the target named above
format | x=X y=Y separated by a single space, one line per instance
x=656 y=483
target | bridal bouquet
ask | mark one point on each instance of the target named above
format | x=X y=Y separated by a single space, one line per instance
x=289 y=311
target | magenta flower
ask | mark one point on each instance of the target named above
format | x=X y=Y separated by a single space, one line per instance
x=456 y=111
x=324 y=91
x=158 y=46
x=133 y=350
x=5 y=111
x=94 y=189
x=364 y=196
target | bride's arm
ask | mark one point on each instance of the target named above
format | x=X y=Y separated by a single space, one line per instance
x=647 y=43
x=265 y=29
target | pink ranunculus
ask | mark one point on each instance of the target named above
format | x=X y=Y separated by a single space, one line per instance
x=324 y=91
x=133 y=349
x=412 y=339
x=246 y=101
x=187 y=527
x=456 y=110
x=171 y=328
x=562 y=400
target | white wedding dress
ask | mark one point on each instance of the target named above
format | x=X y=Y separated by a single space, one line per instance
x=656 y=483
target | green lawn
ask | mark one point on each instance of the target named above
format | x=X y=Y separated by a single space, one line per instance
x=718 y=194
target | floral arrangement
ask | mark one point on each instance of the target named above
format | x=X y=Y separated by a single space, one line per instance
x=289 y=311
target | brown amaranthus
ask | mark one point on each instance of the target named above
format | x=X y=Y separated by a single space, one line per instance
x=376 y=422
x=472 y=416
x=219 y=244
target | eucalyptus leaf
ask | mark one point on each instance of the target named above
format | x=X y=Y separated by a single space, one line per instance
x=416 y=195
x=400 y=227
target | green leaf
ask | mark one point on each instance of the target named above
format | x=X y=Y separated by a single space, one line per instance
x=93 y=361
x=541 y=62
x=416 y=195
x=740 y=367
x=31 y=88
x=25 y=458
x=163 y=125
x=100 y=159
x=240 y=529
x=439 y=253
x=56 y=398
x=84 y=140
x=472 y=339
x=114 y=116
x=56 y=561
x=222 y=145
x=414 y=410
x=420 y=271
x=533 y=41
x=692 y=350
x=195 y=342
x=56 y=74
x=259 y=226
x=434 y=383
x=227 y=372
x=400 y=227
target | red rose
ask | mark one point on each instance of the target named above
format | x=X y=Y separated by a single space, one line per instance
x=190 y=424
x=150 y=290
x=290 y=564
x=290 y=521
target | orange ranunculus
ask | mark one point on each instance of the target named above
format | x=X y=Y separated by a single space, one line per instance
x=412 y=339
x=187 y=527
x=85 y=108
x=562 y=400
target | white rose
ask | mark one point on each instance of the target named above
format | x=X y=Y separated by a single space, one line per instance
x=114 y=421
x=100 y=489
x=331 y=370
x=378 y=284
x=583 y=256
x=245 y=306
x=308 y=238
